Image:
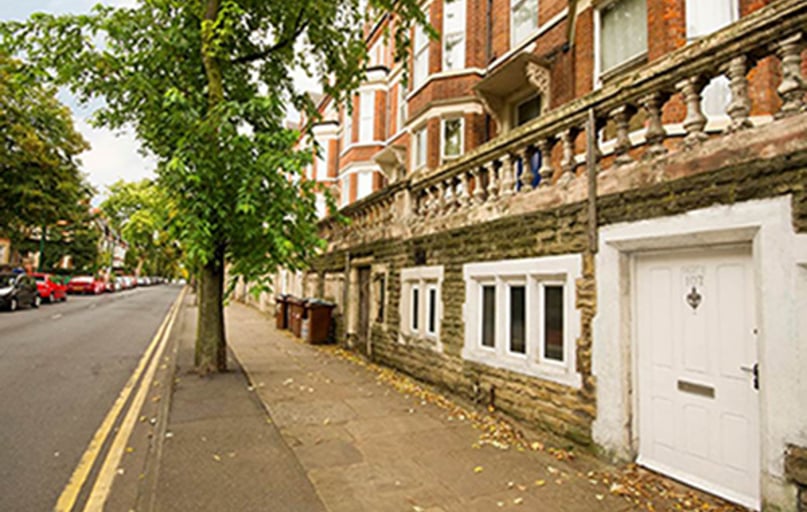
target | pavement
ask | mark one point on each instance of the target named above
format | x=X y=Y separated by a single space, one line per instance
x=295 y=427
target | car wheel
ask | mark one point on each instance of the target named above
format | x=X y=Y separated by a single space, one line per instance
x=36 y=302
x=12 y=306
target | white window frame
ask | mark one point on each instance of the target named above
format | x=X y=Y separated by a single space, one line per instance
x=519 y=4
x=598 y=70
x=344 y=190
x=424 y=279
x=347 y=128
x=322 y=158
x=361 y=179
x=420 y=53
x=461 y=30
x=508 y=285
x=367 y=116
x=481 y=329
x=533 y=273
x=414 y=308
x=541 y=328
x=401 y=113
x=443 y=156
x=431 y=287
x=420 y=145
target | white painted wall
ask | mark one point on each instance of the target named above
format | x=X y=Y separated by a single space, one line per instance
x=780 y=266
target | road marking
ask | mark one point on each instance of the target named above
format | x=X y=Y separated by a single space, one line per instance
x=70 y=493
x=103 y=483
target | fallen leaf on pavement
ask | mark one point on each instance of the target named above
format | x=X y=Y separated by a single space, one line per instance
x=478 y=469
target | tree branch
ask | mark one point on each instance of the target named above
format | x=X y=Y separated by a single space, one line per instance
x=284 y=42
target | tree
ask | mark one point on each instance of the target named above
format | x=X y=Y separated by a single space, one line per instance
x=41 y=183
x=205 y=83
x=142 y=213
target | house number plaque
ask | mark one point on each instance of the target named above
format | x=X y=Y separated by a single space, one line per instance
x=693 y=284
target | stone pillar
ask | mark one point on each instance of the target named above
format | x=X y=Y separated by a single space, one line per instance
x=526 y=168
x=546 y=171
x=508 y=171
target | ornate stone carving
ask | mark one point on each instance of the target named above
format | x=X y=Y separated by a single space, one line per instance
x=539 y=77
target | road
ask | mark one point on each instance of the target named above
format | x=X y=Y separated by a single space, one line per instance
x=61 y=368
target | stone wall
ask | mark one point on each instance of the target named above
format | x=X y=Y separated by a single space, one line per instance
x=554 y=231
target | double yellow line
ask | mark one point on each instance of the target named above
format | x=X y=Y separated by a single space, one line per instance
x=103 y=482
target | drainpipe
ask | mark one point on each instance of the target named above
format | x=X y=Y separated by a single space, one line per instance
x=346 y=298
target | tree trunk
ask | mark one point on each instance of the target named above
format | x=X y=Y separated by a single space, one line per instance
x=211 y=344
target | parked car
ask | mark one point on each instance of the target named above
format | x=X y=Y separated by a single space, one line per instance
x=113 y=284
x=85 y=284
x=18 y=290
x=49 y=290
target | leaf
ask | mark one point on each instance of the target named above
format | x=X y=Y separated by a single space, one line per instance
x=478 y=469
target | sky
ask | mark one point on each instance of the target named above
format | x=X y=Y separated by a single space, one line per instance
x=114 y=156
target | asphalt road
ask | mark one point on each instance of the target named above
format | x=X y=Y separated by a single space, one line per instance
x=61 y=368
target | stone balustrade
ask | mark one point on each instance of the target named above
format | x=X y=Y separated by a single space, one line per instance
x=546 y=156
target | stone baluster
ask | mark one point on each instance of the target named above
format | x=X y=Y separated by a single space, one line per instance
x=454 y=200
x=621 y=117
x=526 y=168
x=546 y=171
x=508 y=171
x=568 y=163
x=793 y=87
x=441 y=198
x=494 y=174
x=740 y=105
x=431 y=202
x=655 y=132
x=695 y=121
x=465 y=195
x=479 y=192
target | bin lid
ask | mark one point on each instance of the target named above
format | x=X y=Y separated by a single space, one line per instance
x=320 y=303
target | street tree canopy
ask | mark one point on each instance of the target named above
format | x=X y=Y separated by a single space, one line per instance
x=141 y=212
x=205 y=85
x=40 y=181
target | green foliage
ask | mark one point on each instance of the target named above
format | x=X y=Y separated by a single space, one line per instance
x=41 y=183
x=142 y=213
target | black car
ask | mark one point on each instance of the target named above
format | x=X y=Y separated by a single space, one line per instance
x=18 y=290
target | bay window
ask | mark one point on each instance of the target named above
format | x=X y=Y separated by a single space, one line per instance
x=421 y=142
x=366 y=115
x=451 y=137
x=420 y=56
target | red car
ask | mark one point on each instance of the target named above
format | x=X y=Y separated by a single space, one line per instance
x=85 y=284
x=49 y=290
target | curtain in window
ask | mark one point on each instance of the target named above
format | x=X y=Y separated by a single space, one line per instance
x=623 y=32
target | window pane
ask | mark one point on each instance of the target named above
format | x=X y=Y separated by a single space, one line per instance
x=365 y=184
x=517 y=320
x=553 y=322
x=624 y=32
x=524 y=19
x=488 y=316
x=454 y=34
x=415 y=308
x=528 y=110
x=366 y=114
x=432 y=310
x=452 y=137
x=420 y=148
x=703 y=18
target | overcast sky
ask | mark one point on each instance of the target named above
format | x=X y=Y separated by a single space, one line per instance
x=113 y=156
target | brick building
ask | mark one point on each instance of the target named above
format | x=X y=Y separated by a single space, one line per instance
x=592 y=215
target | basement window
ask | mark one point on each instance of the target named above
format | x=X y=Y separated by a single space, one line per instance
x=422 y=311
x=520 y=316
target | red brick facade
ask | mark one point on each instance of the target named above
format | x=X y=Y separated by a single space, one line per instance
x=444 y=94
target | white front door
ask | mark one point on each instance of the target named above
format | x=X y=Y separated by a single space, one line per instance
x=698 y=418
